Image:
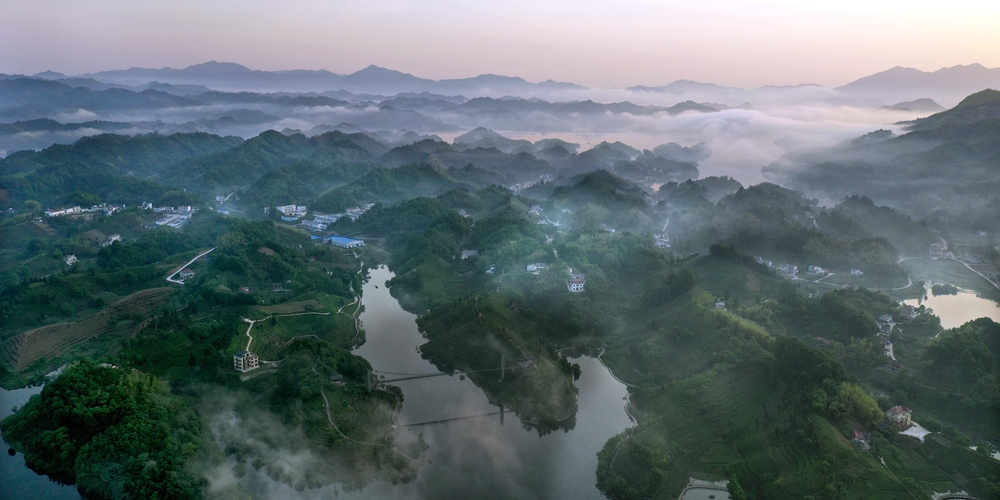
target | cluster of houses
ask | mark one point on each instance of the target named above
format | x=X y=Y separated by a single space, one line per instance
x=177 y=219
x=111 y=239
x=536 y=268
x=884 y=329
x=321 y=222
x=662 y=240
x=174 y=217
x=788 y=270
x=938 y=251
x=818 y=270
x=103 y=208
x=575 y=283
x=792 y=271
x=292 y=211
x=897 y=417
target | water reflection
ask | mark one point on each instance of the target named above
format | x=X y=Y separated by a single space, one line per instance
x=18 y=481
x=956 y=310
x=483 y=457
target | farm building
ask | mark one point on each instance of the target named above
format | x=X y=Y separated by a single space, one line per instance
x=342 y=242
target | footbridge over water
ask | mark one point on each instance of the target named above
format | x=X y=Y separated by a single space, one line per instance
x=387 y=377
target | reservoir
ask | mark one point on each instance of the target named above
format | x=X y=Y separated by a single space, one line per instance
x=483 y=456
x=956 y=310
x=20 y=482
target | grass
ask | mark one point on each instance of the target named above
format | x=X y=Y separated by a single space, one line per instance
x=949 y=271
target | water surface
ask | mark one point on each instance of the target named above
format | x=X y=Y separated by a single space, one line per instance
x=956 y=310
x=17 y=481
x=482 y=457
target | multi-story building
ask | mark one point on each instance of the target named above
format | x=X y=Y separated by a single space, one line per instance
x=245 y=361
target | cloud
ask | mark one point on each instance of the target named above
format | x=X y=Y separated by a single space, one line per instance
x=78 y=116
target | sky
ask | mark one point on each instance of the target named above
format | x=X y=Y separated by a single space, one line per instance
x=600 y=44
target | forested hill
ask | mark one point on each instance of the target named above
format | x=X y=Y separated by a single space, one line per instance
x=950 y=158
x=144 y=155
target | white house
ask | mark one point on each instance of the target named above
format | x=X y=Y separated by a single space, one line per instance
x=536 y=267
x=292 y=210
x=245 y=361
x=788 y=269
x=899 y=415
x=856 y=272
x=187 y=273
x=576 y=282
x=70 y=260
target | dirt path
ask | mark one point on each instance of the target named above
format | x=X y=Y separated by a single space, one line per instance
x=254 y=321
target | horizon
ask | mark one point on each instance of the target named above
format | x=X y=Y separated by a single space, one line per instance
x=599 y=46
x=376 y=66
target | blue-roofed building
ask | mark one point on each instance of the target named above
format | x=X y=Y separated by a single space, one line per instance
x=342 y=242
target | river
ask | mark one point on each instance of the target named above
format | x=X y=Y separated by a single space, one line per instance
x=480 y=457
x=956 y=310
x=19 y=482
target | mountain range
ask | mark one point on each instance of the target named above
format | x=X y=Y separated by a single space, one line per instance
x=373 y=79
x=946 y=85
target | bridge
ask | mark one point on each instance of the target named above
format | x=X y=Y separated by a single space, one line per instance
x=386 y=377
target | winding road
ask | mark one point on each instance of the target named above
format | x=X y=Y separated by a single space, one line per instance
x=170 y=277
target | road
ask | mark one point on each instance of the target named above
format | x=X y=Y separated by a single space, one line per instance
x=170 y=277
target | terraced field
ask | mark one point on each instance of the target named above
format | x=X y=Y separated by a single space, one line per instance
x=54 y=340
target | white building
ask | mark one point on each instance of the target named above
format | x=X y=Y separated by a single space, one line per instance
x=63 y=211
x=245 y=361
x=111 y=239
x=788 y=269
x=576 y=282
x=292 y=210
x=856 y=272
x=314 y=225
x=70 y=260
x=537 y=267
x=326 y=218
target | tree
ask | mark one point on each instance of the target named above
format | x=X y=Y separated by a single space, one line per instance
x=735 y=490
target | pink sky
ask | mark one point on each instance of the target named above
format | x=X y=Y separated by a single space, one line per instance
x=595 y=43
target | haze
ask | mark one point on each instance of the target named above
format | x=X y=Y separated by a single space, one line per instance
x=597 y=44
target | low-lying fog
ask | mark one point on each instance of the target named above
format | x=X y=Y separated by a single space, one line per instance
x=742 y=139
